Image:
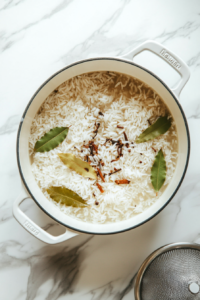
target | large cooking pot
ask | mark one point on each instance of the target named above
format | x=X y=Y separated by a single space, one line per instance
x=122 y=65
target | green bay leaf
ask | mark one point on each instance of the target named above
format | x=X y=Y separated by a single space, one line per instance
x=51 y=139
x=78 y=165
x=66 y=196
x=158 y=171
x=159 y=127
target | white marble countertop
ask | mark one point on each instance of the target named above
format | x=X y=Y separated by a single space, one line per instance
x=38 y=38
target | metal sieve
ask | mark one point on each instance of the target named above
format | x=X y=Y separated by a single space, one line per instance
x=172 y=272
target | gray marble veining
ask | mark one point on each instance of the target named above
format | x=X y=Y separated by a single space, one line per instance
x=37 y=39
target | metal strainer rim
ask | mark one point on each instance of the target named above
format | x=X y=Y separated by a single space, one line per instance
x=155 y=254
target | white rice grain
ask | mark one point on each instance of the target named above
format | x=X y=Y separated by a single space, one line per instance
x=124 y=101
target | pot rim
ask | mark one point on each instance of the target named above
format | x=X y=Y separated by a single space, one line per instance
x=54 y=75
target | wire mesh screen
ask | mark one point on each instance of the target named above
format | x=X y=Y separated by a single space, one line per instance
x=171 y=275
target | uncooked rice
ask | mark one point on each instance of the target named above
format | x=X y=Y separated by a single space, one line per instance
x=124 y=101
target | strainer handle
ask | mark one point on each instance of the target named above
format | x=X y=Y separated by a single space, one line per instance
x=172 y=59
x=33 y=228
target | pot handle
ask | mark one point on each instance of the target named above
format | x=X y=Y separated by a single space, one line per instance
x=175 y=61
x=33 y=228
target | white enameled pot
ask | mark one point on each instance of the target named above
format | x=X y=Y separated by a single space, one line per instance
x=122 y=65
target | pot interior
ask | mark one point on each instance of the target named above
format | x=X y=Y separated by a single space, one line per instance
x=93 y=65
